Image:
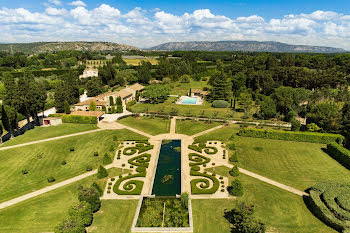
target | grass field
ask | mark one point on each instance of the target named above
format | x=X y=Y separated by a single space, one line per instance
x=183 y=88
x=151 y=125
x=223 y=134
x=114 y=216
x=297 y=164
x=189 y=127
x=39 y=133
x=43 y=213
x=281 y=211
x=13 y=161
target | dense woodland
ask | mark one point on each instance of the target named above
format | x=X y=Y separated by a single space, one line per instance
x=283 y=86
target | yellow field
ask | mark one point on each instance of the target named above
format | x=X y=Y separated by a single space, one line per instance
x=137 y=62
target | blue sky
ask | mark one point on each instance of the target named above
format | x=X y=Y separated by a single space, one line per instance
x=147 y=23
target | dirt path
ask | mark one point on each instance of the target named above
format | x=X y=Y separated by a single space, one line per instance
x=50 y=139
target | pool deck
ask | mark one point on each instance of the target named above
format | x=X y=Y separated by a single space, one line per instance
x=181 y=99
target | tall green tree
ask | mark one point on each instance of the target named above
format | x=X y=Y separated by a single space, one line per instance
x=144 y=72
x=238 y=83
x=12 y=98
x=221 y=87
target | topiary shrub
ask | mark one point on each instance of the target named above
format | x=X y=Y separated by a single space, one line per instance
x=236 y=188
x=24 y=172
x=102 y=172
x=107 y=159
x=234 y=171
x=95 y=154
x=115 y=138
x=71 y=149
x=232 y=146
x=88 y=168
x=63 y=162
x=51 y=179
x=113 y=179
x=234 y=157
x=219 y=104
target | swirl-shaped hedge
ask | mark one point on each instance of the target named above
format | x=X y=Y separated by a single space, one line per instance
x=204 y=184
x=197 y=159
x=140 y=147
x=210 y=150
x=132 y=187
x=140 y=160
x=330 y=202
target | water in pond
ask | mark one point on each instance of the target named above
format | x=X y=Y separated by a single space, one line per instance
x=167 y=181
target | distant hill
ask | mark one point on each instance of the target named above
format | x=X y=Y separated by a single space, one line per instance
x=245 y=46
x=38 y=47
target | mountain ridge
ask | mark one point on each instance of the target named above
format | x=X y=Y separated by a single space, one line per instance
x=38 y=47
x=244 y=46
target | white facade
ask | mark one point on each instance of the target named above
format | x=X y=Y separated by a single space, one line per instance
x=89 y=73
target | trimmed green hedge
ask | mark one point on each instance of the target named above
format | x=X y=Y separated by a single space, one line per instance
x=339 y=153
x=132 y=187
x=203 y=183
x=324 y=138
x=197 y=159
x=79 y=119
x=330 y=203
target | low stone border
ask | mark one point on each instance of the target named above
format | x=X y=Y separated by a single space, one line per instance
x=134 y=228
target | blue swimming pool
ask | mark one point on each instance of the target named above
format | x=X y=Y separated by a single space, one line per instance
x=189 y=100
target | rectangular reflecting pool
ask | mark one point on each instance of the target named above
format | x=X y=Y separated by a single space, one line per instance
x=167 y=181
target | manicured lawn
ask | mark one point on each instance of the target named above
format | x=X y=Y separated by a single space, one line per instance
x=39 y=133
x=151 y=125
x=189 y=127
x=43 y=213
x=204 y=110
x=183 y=88
x=281 y=211
x=297 y=164
x=223 y=134
x=114 y=216
x=44 y=160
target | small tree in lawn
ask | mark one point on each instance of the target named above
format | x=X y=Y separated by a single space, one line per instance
x=234 y=171
x=107 y=159
x=66 y=107
x=111 y=101
x=92 y=106
x=91 y=196
x=102 y=172
x=243 y=220
x=234 y=157
x=236 y=188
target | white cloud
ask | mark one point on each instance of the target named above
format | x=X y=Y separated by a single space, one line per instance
x=146 y=28
x=55 y=2
x=78 y=3
x=55 y=11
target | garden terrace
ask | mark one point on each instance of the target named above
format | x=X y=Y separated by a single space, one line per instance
x=131 y=155
x=151 y=125
x=207 y=155
x=191 y=127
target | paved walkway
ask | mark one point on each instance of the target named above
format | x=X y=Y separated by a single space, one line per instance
x=207 y=131
x=274 y=183
x=50 y=139
x=173 y=125
x=48 y=189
